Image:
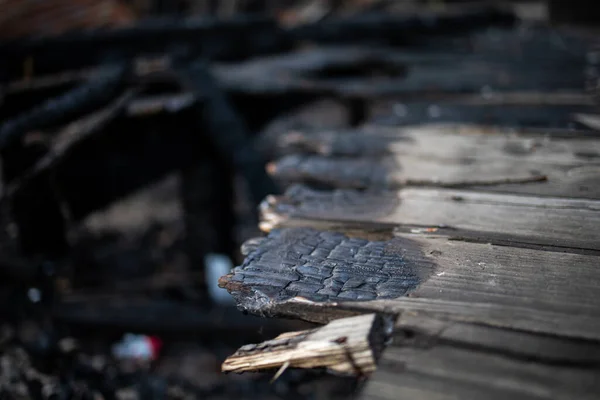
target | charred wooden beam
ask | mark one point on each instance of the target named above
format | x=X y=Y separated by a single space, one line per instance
x=393 y=157
x=542 y=221
x=78 y=101
x=67 y=139
x=348 y=346
x=232 y=39
x=228 y=132
x=361 y=72
x=207 y=197
x=400 y=29
x=578 y=12
x=33 y=196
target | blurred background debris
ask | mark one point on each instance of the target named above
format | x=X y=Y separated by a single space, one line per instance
x=134 y=140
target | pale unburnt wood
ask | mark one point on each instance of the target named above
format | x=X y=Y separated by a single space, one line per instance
x=347 y=346
x=433 y=358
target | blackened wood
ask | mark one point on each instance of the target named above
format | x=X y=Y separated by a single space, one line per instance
x=432 y=359
x=527 y=219
x=129 y=154
x=396 y=28
x=235 y=38
x=347 y=346
x=169 y=103
x=577 y=12
x=67 y=138
x=323 y=266
x=290 y=274
x=445 y=156
x=33 y=197
x=228 y=133
x=80 y=100
x=117 y=314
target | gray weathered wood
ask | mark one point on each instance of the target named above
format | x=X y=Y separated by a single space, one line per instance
x=442 y=155
x=440 y=359
x=365 y=72
x=525 y=219
x=447 y=372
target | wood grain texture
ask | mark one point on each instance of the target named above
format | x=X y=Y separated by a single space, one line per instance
x=348 y=346
x=442 y=155
x=323 y=266
x=527 y=219
x=517 y=288
x=439 y=359
x=367 y=71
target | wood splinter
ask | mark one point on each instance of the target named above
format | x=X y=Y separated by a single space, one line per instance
x=347 y=346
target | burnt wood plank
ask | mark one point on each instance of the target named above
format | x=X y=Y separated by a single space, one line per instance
x=404 y=25
x=368 y=72
x=233 y=38
x=528 y=219
x=440 y=140
x=445 y=372
x=538 y=111
x=437 y=359
x=443 y=155
x=320 y=275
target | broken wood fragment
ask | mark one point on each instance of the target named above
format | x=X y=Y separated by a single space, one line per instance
x=348 y=346
x=80 y=100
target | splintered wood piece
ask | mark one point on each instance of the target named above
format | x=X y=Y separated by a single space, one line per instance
x=441 y=155
x=320 y=275
x=458 y=213
x=67 y=138
x=348 y=346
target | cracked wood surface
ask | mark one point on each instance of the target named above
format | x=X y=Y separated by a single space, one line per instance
x=442 y=155
x=296 y=272
x=348 y=346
